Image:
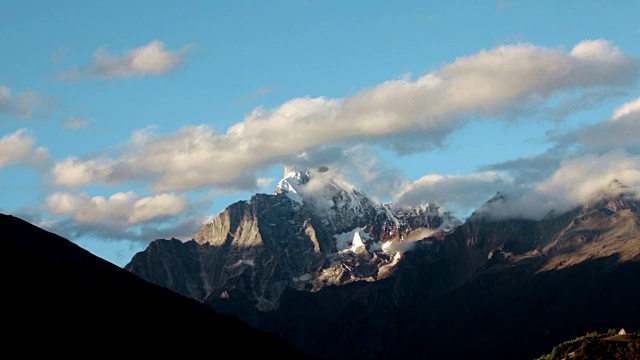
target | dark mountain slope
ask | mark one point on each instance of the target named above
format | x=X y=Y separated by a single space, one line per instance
x=59 y=299
x=516 y=313
x=494 y=289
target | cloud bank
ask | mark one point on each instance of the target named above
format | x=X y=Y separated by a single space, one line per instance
x=120 y=206
x=586 y=164
x=404 y=115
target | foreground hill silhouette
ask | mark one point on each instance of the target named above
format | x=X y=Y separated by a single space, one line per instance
x=59 y=299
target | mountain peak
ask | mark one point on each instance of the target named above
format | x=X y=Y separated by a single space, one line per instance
x=617 y=189
x=293 y=172
x=312 y=185
x=316 y=230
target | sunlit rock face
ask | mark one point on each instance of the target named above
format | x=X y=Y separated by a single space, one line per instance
x=315 y=230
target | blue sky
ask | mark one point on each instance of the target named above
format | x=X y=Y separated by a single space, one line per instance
x=124 y=122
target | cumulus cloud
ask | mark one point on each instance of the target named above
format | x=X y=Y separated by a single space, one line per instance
x=74 y=172
x=154 y=206
x=583 y=179
x=181 y=227
x=627 y=109
x=578 y=181
x=405 y=115
x=359 y=163
x=147 y=60
x=586 y=164
x=127 y=206
x=619 y=131
x=265 y=183
x=18 y=147
x=23 y=105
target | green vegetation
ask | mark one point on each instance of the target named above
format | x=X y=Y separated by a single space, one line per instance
x=598 y=346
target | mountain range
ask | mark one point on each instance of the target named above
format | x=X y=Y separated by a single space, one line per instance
x=317 y=269
x=340 y=275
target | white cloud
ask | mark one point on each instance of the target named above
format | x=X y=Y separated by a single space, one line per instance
x=265 y=183
x=359 y=163
x=583 y=179
x=597 y=50
x=23 y=105
x=597 y=160
x=632 y=107
x=65 y=203
x=578 y=181
x=18 y=148
x=404 y=114
x=150 y=59
x=460 y=194
x=618 y=132
x=14 y=147
x=74 y=172
x=154 y=206
x=129 y=206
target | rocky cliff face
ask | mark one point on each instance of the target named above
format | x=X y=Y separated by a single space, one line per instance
x=314 y=231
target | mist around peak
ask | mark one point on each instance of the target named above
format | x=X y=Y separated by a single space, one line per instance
x=537 y=204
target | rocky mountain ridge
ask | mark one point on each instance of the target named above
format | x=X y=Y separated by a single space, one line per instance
x=314 y=231
x=485 y=278
x=505 y=288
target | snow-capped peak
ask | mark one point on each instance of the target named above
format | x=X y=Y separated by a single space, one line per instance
x=289 y=187
x=290 y=172
x=291 y=183
x=317 y=186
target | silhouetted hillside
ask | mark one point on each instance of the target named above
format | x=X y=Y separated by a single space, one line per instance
x=59 y=299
